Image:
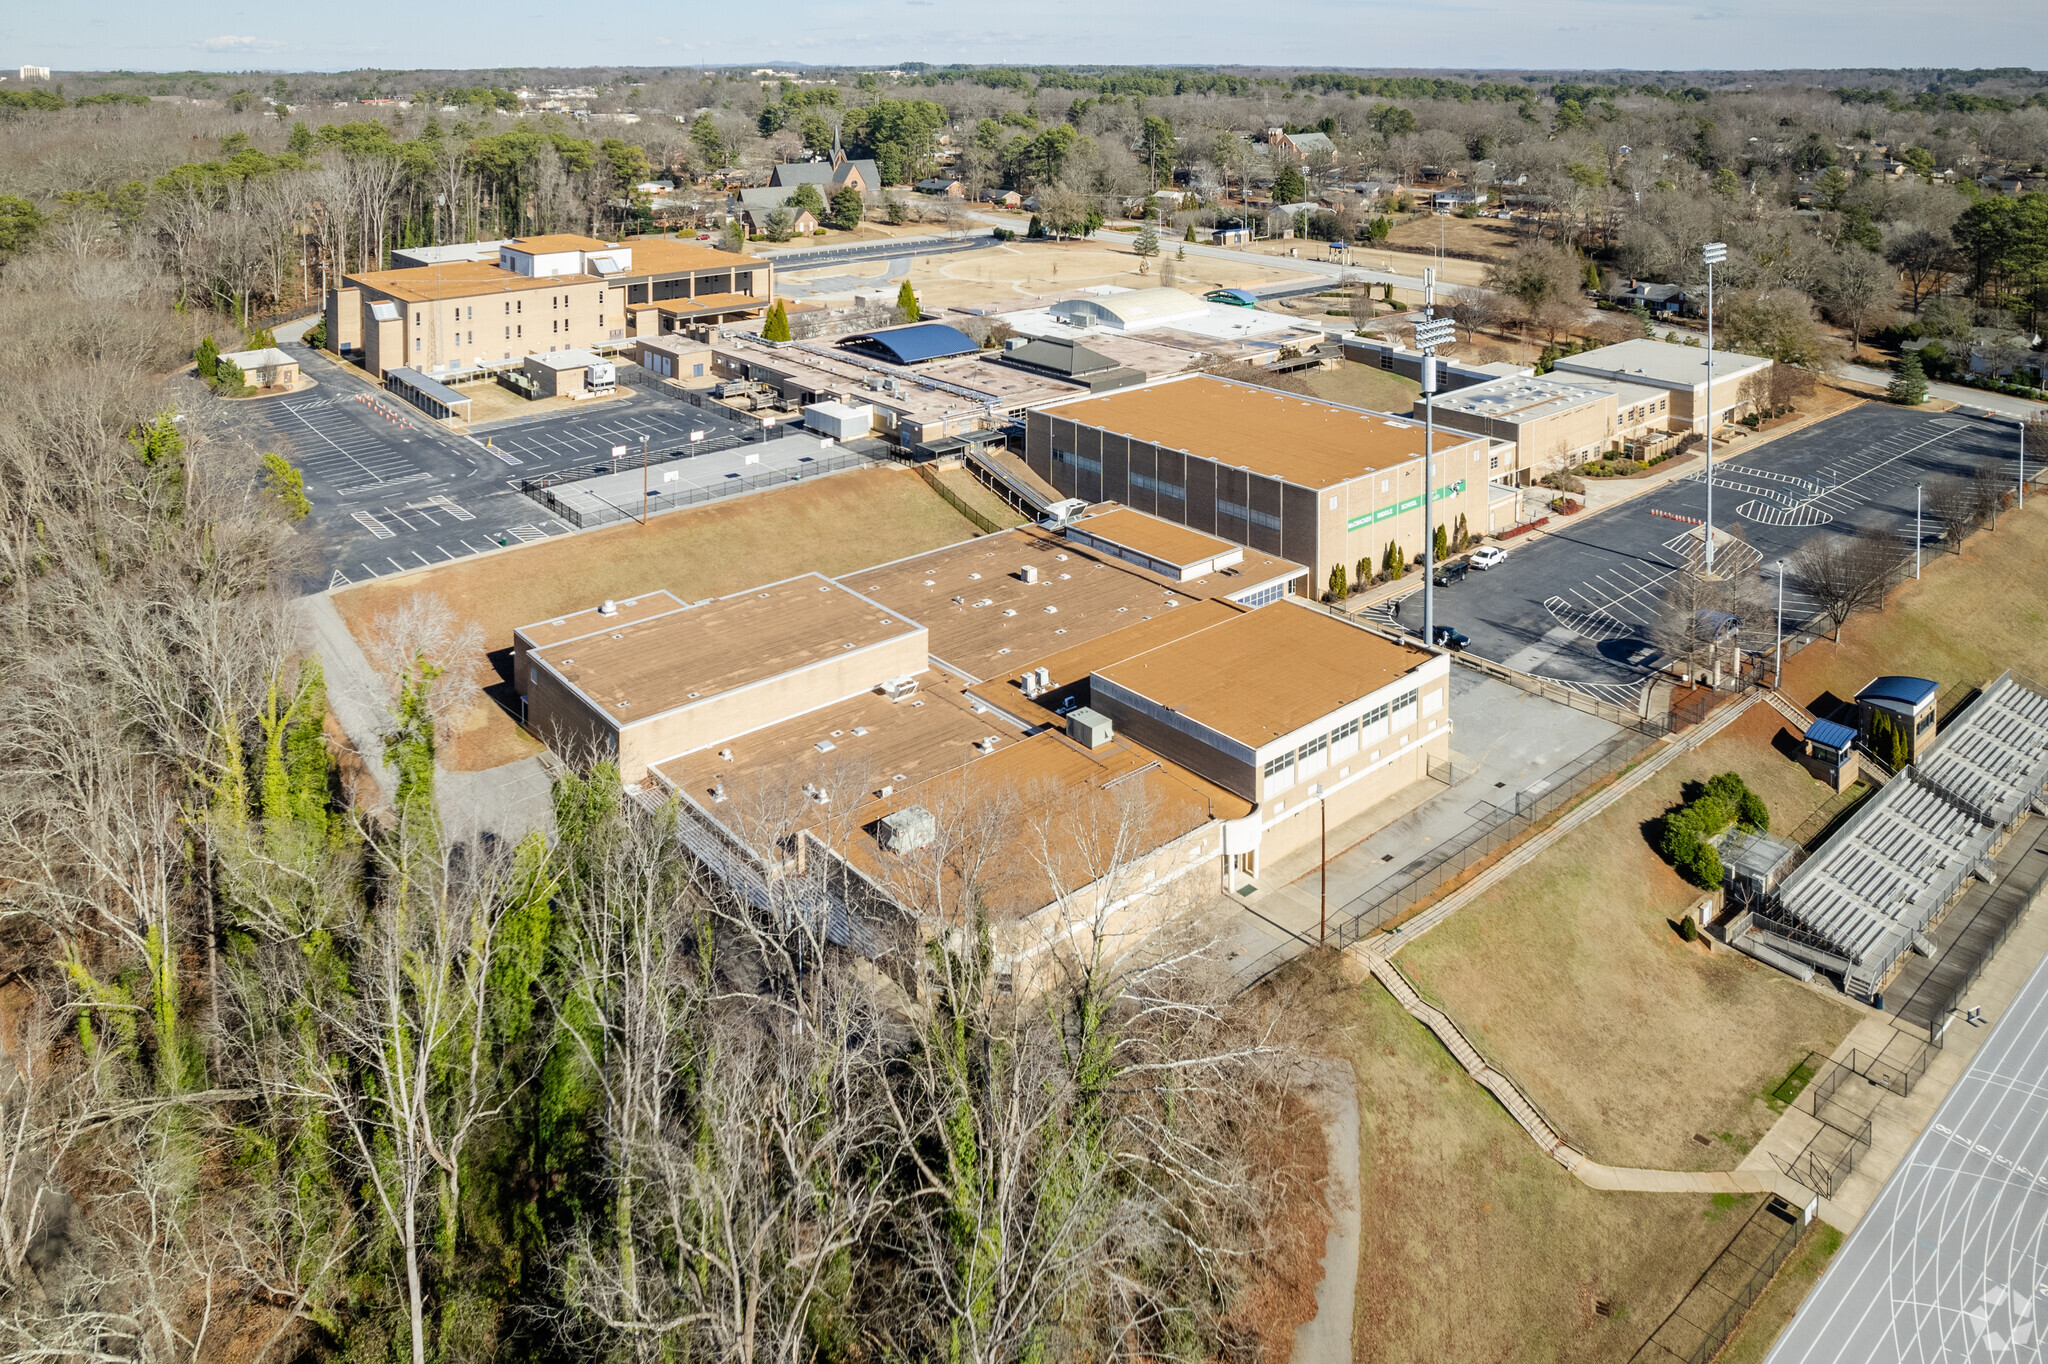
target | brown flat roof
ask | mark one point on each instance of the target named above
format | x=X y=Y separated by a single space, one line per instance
x=575 y=625
x=1305 y=441
x=708 y=303
x=458 y=279
x=1268 y=672
x=1051 y=781
x=1069 y=669
x=640 y=670
x=657 y=255
x=1148 y=535
x=557 y=241
x=876 y=742
x=998 y=622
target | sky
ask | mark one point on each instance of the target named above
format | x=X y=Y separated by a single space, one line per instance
x=148 y=35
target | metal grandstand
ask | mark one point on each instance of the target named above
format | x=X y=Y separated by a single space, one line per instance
x=1867 y=896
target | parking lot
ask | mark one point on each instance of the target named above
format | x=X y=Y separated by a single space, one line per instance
x=665 y=422
x=1579 y=603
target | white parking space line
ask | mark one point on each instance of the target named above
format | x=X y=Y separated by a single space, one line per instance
x=374 y=526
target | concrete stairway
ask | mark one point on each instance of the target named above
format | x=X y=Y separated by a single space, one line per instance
x=1500 y=1086
x=1798 y=715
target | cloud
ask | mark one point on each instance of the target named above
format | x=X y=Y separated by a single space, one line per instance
x=230 y=43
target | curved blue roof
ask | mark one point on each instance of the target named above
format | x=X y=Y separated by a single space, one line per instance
x=914 y=344
x=1829 y=733
x=1912 y=692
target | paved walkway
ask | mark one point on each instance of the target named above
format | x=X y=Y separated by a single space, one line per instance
x=2001 y=403
x=1333 y=1089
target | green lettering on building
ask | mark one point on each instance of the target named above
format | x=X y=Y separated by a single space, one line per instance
x=1396 y=508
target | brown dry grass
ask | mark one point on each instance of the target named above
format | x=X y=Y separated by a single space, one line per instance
x=832 y=526
x=1282 y=1294
x=1967 y=619
x=1364 y=386
x=1484 y=238
x=1028 y=269
x=1571 y=977
x=1474 y=1244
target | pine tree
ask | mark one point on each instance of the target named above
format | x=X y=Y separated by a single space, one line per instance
x=907 y=306
x=206 y=358
x=776 y=328
x=1340 y=587
x=1191 y=235
x=1145 y=246
x=1440 y=547
x=1909 y=384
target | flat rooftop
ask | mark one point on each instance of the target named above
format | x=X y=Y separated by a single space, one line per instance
x=639 y=670
x=458 y=279
x=1069 y=669
x=575 y=625
x=1519 y=398
x=658 y=256
x=874 y=742
x=1659 y=362
x=1045 y=781
x=987 y=622
x=1268 y=672
x=1148 y=535
x=557 y=241
x=1305 y=441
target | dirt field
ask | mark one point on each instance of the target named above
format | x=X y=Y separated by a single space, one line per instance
x=1364 y=386
x=1397 y=255
x=832 y=526
x=1962 y=622
x=1029 y=269
x=495 y=403
x=1475 y=1245
x=1572 y=977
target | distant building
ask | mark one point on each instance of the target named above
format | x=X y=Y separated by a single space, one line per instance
x=35 y=73
x=829 y=176
x=950 y=189
x=1299 y=146
x=1682 y=372
x=1656 y=298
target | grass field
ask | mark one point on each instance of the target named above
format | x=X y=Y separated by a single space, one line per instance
x=1028 y=269
x=1474 y=1245
x=978 y=495
x=1760 y=1329
x=1571 y=976
x=833 y=525
x=1364 y=386
x=1962 y=622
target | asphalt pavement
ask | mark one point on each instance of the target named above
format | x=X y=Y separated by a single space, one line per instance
x=1577 y=604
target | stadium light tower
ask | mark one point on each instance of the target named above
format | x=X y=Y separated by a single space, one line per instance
x=1713 y=253
x=1431 y=332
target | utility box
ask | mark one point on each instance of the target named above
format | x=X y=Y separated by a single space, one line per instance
x=1063 y=513
x=840 y=421
x=1089 y=727
x=908 y=830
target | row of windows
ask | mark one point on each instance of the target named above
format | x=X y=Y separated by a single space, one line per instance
x=1257 y=518
x=1265 y=596
x=1084 y=462
x=1162 y=488
x=1299 y=764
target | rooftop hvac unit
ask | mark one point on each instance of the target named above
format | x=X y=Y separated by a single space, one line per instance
x=908 y=830
x=1016 y=342
x=900 y=688
x=1044 y=677
x=1089 y=727
x=1028 y=683
x=1029 y=573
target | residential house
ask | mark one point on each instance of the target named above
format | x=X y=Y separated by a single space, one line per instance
x=1653 y=297
x=1298 y=146
x=945 y=188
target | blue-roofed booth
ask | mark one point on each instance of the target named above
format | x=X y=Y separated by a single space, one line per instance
x=912 y=345
x=1828 y=751
x=1904 y=703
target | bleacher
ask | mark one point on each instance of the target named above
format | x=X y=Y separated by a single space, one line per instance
x=1867 y=895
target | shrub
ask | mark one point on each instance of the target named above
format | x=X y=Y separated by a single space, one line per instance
x=316 y=335
x=1753 y=813
x=1689 y=929
x=206 y=358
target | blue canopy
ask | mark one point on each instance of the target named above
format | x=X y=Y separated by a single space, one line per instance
x=1910 y=692
x=1829 y=734
x=1237 y=296
x=914 y=344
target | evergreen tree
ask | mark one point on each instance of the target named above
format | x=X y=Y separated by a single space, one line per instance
x=1289 y=187
x=1440 y=546
x=1146 y=246
x=206 y=358
x=1340 y=587
x=301 y=143
x=847 y=208
x=776 y=328
x=907 y=306
x=1190 y=236
x=1909 y=383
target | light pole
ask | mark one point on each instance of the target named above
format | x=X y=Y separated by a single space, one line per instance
x=1713 y=253
x=1778 y=668
x=1431 y=332
x=2023 y=463
x=1916 y=534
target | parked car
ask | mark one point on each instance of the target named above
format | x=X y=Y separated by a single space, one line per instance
x=1452 y=573
x=1488 y=556
x=1454 y=640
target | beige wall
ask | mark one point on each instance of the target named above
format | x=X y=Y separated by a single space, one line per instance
x=559 y=714
x=1361 y=497
x=344 y=315
x=497 y=325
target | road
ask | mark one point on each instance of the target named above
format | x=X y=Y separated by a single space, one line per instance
x=1955 y=393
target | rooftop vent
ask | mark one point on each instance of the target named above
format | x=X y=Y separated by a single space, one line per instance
x=907 y=830
x=610 y=608
x=900 y=688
